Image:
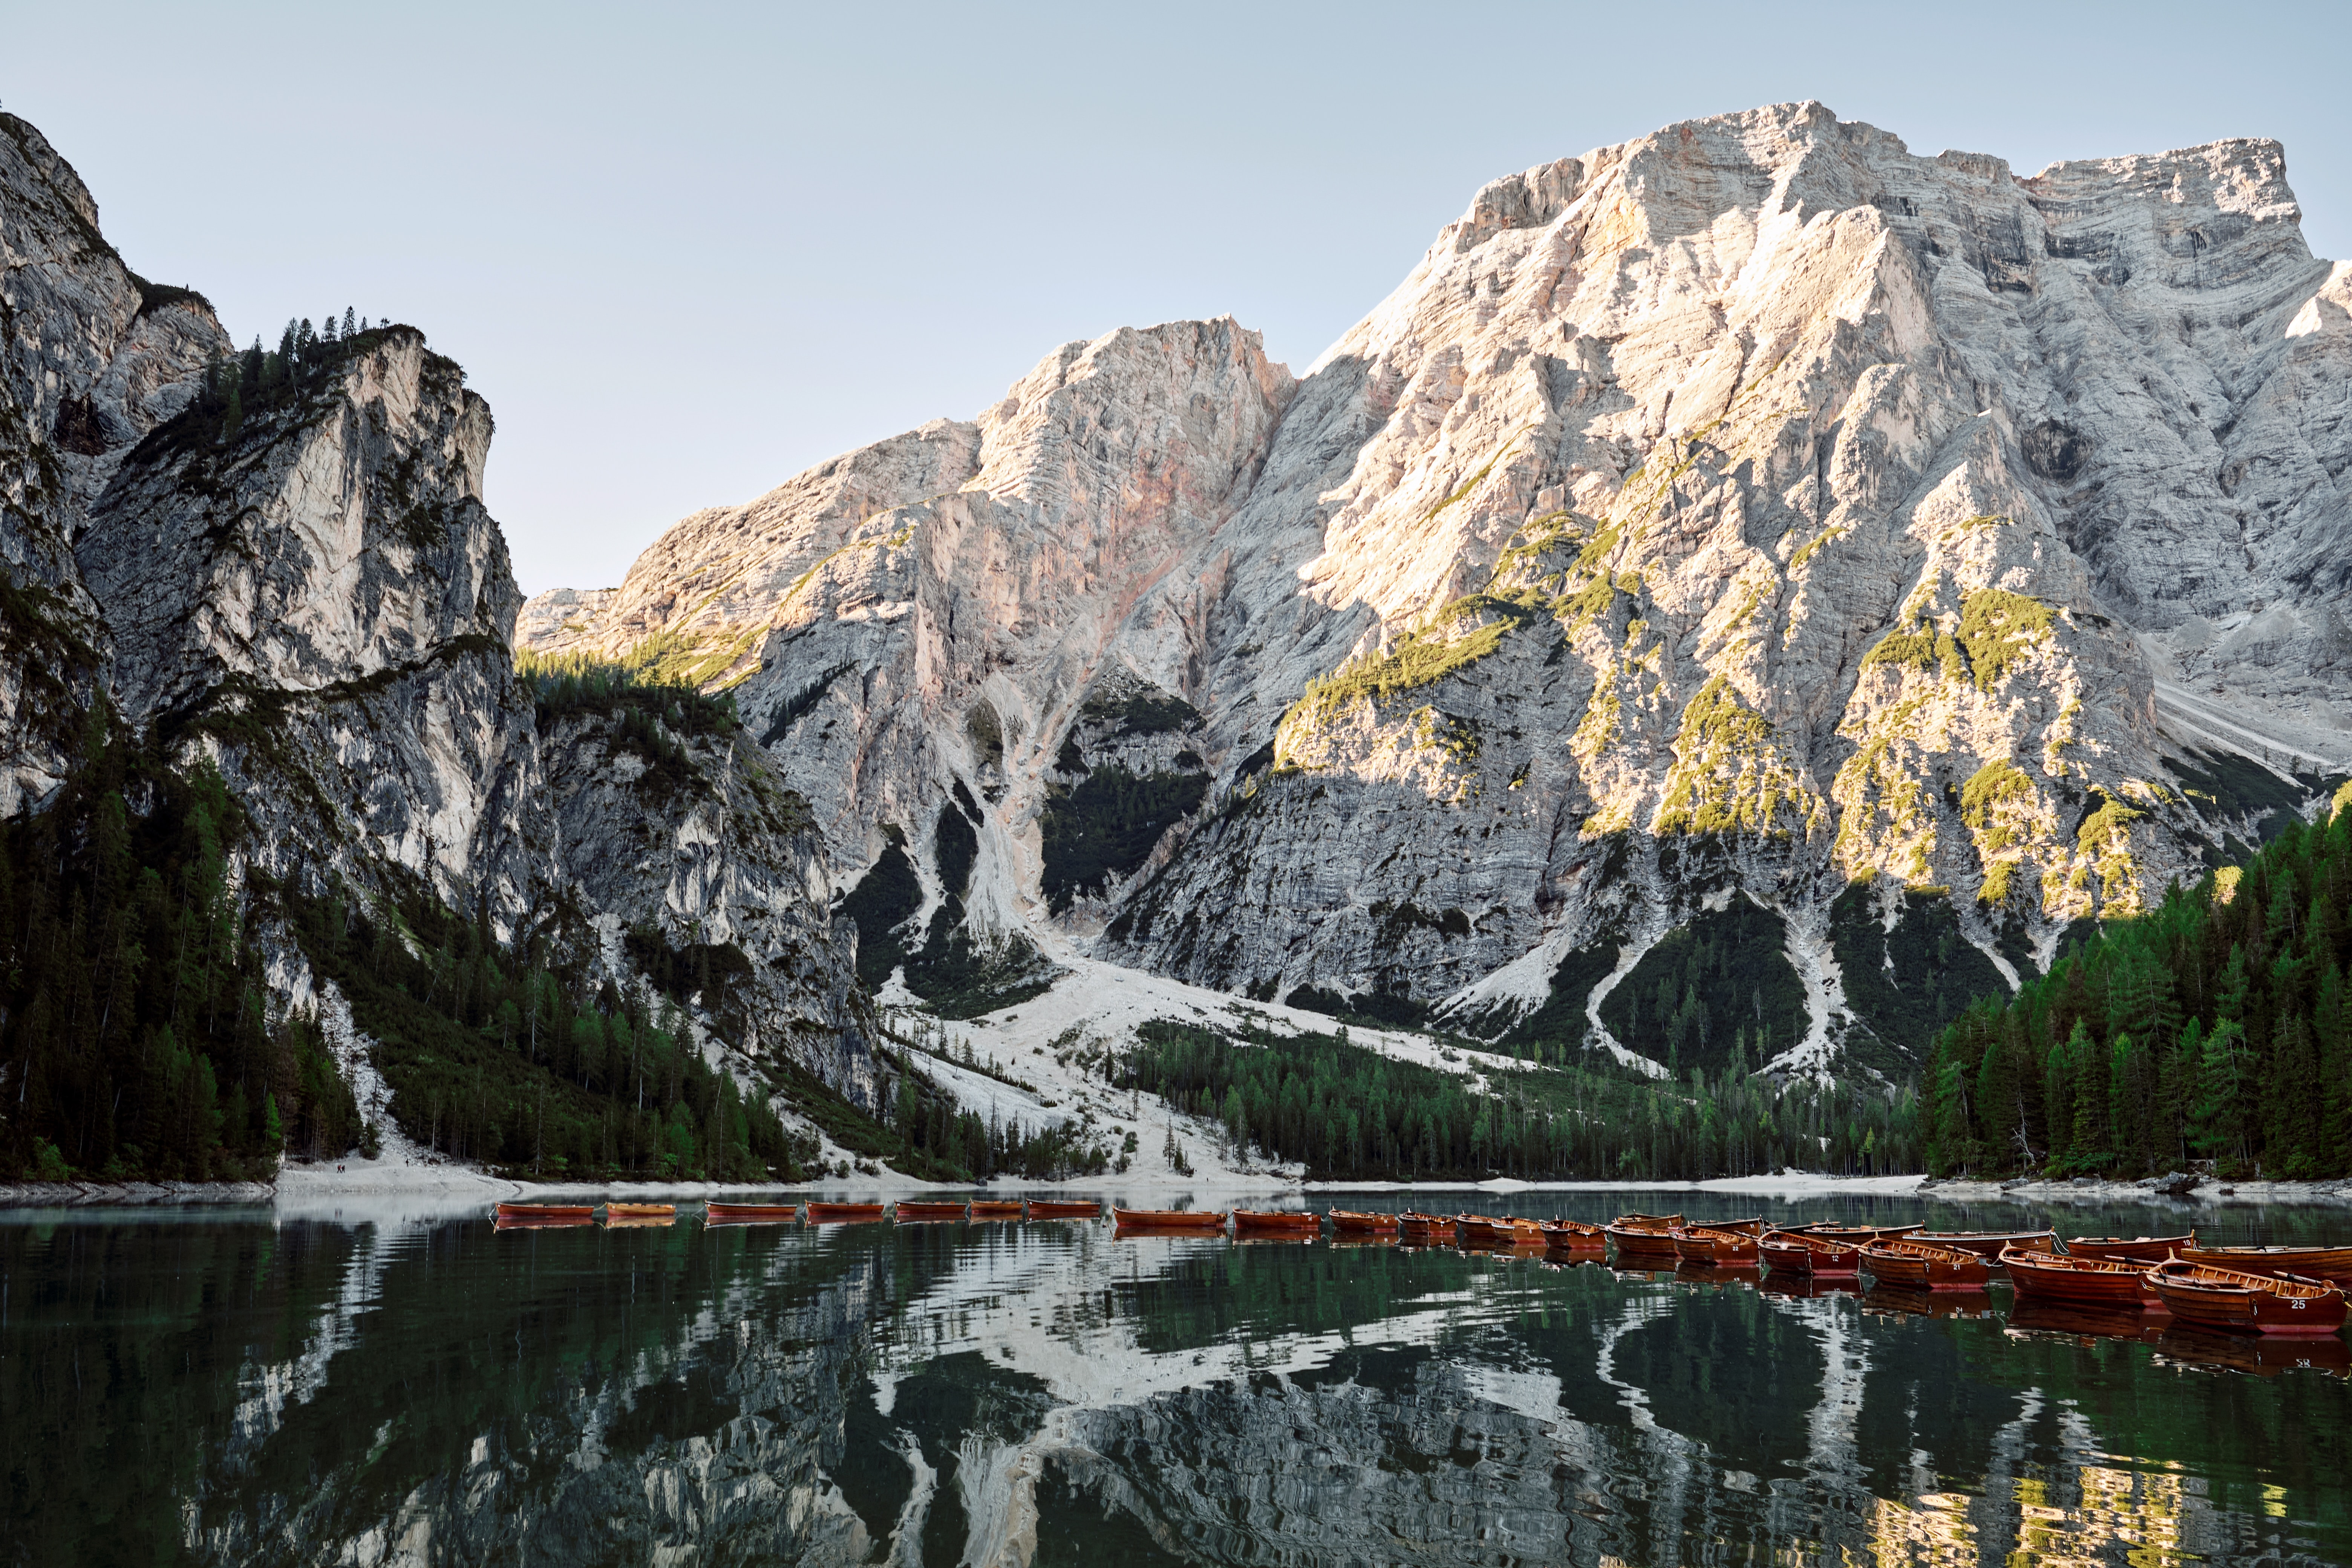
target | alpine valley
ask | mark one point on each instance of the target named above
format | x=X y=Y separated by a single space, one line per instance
x=1747 y=595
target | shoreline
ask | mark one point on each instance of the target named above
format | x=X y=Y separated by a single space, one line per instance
x=308 y=1189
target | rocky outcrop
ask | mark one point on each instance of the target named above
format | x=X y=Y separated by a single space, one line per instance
x=281 y=566
x=1757 y=508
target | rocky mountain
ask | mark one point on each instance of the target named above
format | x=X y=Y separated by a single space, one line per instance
x=278 y=567
x=1748 y=591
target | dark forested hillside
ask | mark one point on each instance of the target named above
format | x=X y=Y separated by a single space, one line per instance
x=2212 y=1027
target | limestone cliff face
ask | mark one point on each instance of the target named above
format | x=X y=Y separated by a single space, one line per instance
x=305 y=589
x=1757 y=510
x=91 y=358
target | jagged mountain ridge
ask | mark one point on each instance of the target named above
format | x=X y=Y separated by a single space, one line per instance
x=306 y=593
x=1745 y=511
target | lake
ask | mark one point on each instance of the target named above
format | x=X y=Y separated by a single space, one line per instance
x=235 y=1386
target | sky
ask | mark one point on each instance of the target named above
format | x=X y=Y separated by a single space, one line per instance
x=687 y=252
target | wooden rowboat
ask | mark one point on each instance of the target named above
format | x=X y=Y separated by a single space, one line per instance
x=1276 y=1222
x=1919 y=1265
x=1414 y=1225
x=2333 y=1264
x=640 y=1211
x=1573 y=1235
x=843 y=1214
x=1987 y=1245
x=2077 y=1281
x=1065 y=1208
x=750 y=1214
x=2148 y=1251
x=1169 y=1219
x=1718 y=1244
x=928 y=1213
x=1856 y=1235
x=1802 y=1252
x=1642 y=1239
x=1500 y=1230
x=1354 y=1222
x=996 y=1208
x=567 y=1212
x=2234 y=1302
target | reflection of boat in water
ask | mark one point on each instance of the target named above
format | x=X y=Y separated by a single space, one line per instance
x=1987 y=1245
x=640 y=1213
x=1915 y=1263
x=1733 y=1243
x=1065 y=1208
x=1276 y=1222
x=2234 y=1302
x=2083 y=1281
x=639 y=1222
x=927 y=1213
x=514 y=1216
x=1805 y=1287
x=1645 y=1239
x=2333 y=1264
x=1194 y=1221
x=2264 y=1355
x=843 y=1214
x=2030 y=1316
x=2146 y=1251
x=1920 y=1301
x=1810 y=1253
x=750 y=1214
x=1689 y=1273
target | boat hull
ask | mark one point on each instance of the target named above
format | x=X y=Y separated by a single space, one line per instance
x=1064 y=1208
x=547 y=1211
x=2145 y=1250
x=1644 y=1241
x=2333 y=1264
x=927 y=1213
x=1715 y=1248
x=1567 y=1235
x=2247 y=1304
x=2069 y=1282
x=1925 y=1268
x=995 y=1209
x=640 y=1211
x=1987 y=1245
x=1189 y=1221
x=1349 y=1222
x=1412 y=1225
x=843 y=1214
x=1254 y=1222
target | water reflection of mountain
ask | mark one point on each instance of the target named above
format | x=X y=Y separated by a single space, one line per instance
x=440 y=1394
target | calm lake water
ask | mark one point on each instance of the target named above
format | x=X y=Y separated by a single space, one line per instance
x=241 y=1388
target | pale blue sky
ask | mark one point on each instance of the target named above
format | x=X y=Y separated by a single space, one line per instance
x=687 y=251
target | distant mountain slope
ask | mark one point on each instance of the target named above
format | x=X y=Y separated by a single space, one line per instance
x=1919 y=557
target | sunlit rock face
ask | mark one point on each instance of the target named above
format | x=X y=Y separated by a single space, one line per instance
x=1747 y=512
x=309 y=593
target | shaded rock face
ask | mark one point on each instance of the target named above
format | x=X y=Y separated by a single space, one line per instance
x=1754 y=508
x=313 y=597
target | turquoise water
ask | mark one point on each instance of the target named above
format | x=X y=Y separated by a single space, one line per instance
x=231 y=1387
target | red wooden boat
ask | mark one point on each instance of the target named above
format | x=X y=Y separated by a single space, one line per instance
x=1357 y=1223
x=1414 y=1225
x=1642 y=1239
x=1573 y=1235
x=2076 y=1282
x=1276 y=1222
x=928 y=1213
x=1720 y=1245
x=2333 y=1264
x=2234 y=1302
x=512 y=1222
x=1828 y=1230
x=569 y=1213
x=2148 y=1251
x=1919 y=1265
x=640 y=1211
x=843 y=1214
x=1169 y=1219
x=1065 y=1208
x=1500 y=1230
x=1802 y=1252
x=995 y=1208
x=750 y=1214
x=1987 y=1245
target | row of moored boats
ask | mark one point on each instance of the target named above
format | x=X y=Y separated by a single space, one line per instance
x=2256 y=1290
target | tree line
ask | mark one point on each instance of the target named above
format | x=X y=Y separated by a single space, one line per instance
x=2213 y=1028
x=235 y=386
x=135 y=1039
x=1347 y=1112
